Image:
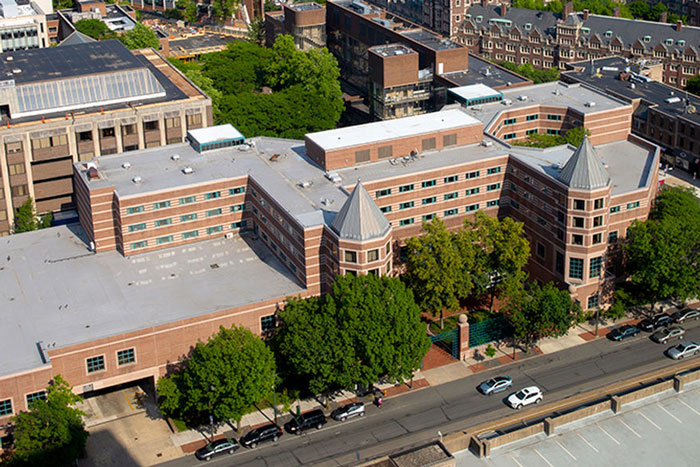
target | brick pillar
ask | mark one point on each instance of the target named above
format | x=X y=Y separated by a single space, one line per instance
x=463 y=337
x=677 y=383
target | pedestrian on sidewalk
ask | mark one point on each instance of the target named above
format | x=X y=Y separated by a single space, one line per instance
x=378 y=401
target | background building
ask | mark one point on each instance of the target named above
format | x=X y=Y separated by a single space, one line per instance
x=23 y=24
x=305 y=22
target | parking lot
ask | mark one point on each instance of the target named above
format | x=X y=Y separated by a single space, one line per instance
x=659 y=430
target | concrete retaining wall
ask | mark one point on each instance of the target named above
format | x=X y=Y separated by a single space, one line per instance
x=553 y=423
x=513 y=436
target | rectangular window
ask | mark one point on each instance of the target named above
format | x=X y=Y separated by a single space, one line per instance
x=188 y=200
x=137 y=227
x=16 y=169
x=560 y=235
x=595 y=265
x=237 y=207
x=515 y=204
x=212 y=195
x=451 y=195
x=403 y=222
x=472 y=191
x=350 y=256
x=406 y=205
x=236 y=191
x=451 y=179
x=126 y=357
x=509 y=121
x=531 y=132
x=579 y=205
x=532 y=117
x=238 y=225
x=593 y=301
x=597 y=238
x=597 y=221
x=188 y=217
x=451 y=212
x=559 y=263
x=427 y=144
x=430 y=200
x=214 y=212
x=633 y=205
x=362 y=156
x=161 y=205
x=6 y=407
x=579 y=222
x=36 y=396
x=540 y=250
x=493 y=203
x=429 y=183
x=509 y=136
x=553 y=117
x=384 y=192
x=163 y=240
x=493 y=186
x=541 y=221
x=428 y=217
x=493 y=170
x=405 y=188
x=95 y=364
x=449 y=140
x=576 y=268
x=134 y=210
x=190 y=234
x=385 y=151
x=577 y=239
x=472 y=174
x=553 y=132
x=385 y=209
x=139 y=245
x=472 y=207
x=216 y=229
x=162 y=222
x=268 y=323
x=614 y=209
x=612 y=237
x=599 y=203
x=372 y=255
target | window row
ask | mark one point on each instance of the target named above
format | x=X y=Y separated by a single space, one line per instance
x=123 y=357
x=432 y=183
x=187 y=217
x=185 y=200
x=185 y=235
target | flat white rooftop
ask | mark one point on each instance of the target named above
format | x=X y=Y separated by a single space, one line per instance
x=474 y=91
x=391 y=129
x=214 y=134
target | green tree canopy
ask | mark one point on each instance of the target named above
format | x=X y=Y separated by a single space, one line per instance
x=575 y=136
x=541 y=311
x=62 y=4
x=140 y=37
x=366 y=328
x=528 y=71
x=95 y=28
x=224 y=377
x=224 y=9
x=194 y=72
x=26 y=218
x=51 y=432
x=693 y=85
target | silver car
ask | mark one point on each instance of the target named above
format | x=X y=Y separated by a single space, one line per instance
x=686 y=349
x=494 y=385
x=353 y=409
x=664 y=335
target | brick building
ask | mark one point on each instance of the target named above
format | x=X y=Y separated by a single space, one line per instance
x=23 y=24
x=177 y=240
x=72 y=103
x=305 y=22
x=545 y=39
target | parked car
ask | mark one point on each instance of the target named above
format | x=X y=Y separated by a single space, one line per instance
x=526 y=396
x=494 y=385
x=659 y=321
x=215 y=448
x=353 y=409
x=664 y=335
x=270 y=432
x=623 y=332
x=686 y=314
x=314 y=419
x=685 y=349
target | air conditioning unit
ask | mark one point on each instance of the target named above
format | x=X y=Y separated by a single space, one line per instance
x=589 y=104
x=487 y=144
x=126 y=165
x=229 y=235
x=137 y=179
x=187 y=170
x=175 y=157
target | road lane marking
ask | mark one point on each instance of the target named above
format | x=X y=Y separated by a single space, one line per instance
x=691 y=408
x=586 y=441
x=565 y=450
x=543 y=458
x=629 y=427
x=670 y=414
x=516 y=460
x=609 y=435
x=650 y=421
x=128 y=402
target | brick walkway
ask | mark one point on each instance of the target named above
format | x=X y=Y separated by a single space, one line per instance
x=436 y=357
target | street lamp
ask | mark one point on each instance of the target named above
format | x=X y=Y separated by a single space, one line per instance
x=211 y=416
x=274 y=397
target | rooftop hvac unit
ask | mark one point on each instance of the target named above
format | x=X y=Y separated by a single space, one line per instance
x=229 y=235
x=673 y=100
x=522 y=98
x=487 y=144
x=305 y=184
x=507 y=102
x=333 y=177
x=589 y=104
x=126 y=165
x=187 y=170
x=175 y=157
x=137 y=179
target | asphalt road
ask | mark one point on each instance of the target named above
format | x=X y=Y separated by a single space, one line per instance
x=417 y=417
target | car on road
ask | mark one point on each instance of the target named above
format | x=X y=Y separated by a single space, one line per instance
x=664 y=335
x=494 y=385
x=623 y=332
x=314 y=419
x=216 y=448
x=685 y=315
x=269 y=432
x=685 y=349
x=656 y=322
x=526 y=396
x=353 y=409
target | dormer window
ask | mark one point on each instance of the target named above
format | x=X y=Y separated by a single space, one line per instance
x=528 y=26
x=608 y=33
x=647 y=38
x=669 y=41
x=479 y=19
x=681 y=42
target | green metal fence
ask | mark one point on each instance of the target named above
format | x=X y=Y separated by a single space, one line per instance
x=450 y=339
x=488 y=331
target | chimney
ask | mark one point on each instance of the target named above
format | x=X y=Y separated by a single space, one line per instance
x=585 y=14
x=504 y=9
x=568 y=9
x=92 y=173
x=484 y=3
x=663 y=18
x=679 y=25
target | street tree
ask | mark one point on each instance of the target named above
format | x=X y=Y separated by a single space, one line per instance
x=26 y=218
x=677 y=203
x=140 y=37
x=52 y=432
x=693 y=85
x=95 y=28
x=224 y=377
x=539 y=312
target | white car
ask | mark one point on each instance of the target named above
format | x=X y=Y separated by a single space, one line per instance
x=526 y=396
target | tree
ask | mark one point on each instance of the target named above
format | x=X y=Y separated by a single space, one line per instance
x=677 y=203
x=575 y=136
x=51 y=432
x=193 y=70
x=366 y=328
x=140 y=37
x=224 y=10
x=95 y=28
x=541 y=312
x=502 y=253
x=224 y=377
x=256 y=31
x=62 y=4
x=174 y=13
x=26 y=218
x=693 y=85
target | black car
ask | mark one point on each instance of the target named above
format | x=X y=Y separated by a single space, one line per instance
x=215 y=448
x=270 y=432
x=623 y=332
x=686 y=314
x=657 y=322
x=314 y=419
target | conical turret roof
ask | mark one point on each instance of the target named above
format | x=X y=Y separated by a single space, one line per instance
x=584 y=170
x=360 y=219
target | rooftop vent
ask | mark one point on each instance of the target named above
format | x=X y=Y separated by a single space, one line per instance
x=305 y=184
x=333 y=177
x=16 y=70
x=487 y=144
x=673 y=100
x=9 y=58
x=92 y=173
x=507 y=102
x=187 y=170
x=589 y=104
x=175 y=157
x=126 y=165
x=522 y=98
x=137 y=179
